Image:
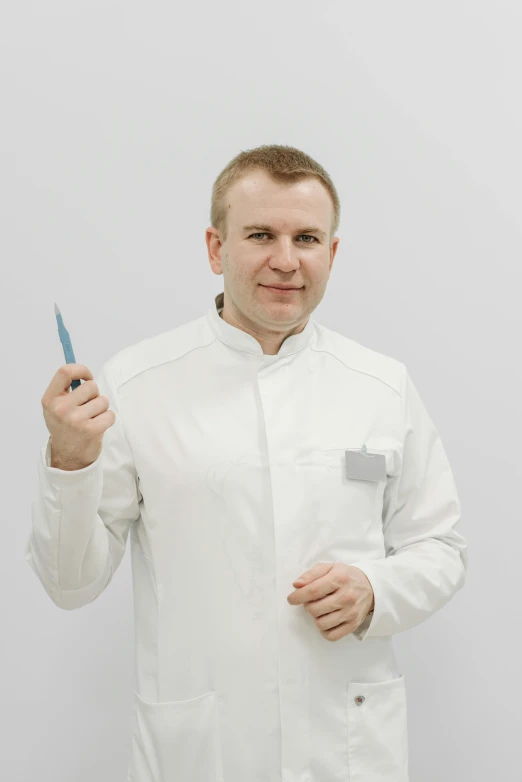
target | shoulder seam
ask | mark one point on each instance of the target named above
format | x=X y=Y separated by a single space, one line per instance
x=361 y=371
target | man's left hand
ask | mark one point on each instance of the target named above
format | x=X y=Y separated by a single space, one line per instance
x=339 y=596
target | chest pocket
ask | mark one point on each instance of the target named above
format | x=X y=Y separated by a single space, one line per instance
x=354 y=492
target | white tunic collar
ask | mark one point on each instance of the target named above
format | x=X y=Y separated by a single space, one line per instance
x=237 y=338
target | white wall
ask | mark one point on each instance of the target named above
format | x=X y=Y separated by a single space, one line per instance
x=117 y=117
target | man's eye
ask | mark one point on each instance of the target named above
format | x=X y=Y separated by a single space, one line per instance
x=309 y=235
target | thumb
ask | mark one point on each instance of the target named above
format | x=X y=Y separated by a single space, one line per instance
x=310 y=575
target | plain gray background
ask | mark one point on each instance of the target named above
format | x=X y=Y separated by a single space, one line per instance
x=117 y=117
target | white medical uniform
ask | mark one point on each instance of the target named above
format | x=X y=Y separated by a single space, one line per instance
x=227 y=468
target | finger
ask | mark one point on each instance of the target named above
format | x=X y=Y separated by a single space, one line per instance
x=64 y=376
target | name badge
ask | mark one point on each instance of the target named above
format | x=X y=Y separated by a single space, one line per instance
x=364 y=465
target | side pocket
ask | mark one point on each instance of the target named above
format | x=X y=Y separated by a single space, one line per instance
x=378 y=731
x=176 y=740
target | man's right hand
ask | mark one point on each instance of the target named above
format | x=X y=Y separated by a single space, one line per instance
x=77 y=419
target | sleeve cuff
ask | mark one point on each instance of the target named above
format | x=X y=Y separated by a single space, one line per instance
x=367 y=627
x=65 y=474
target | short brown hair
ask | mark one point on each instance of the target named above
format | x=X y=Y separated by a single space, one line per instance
x=283 y=164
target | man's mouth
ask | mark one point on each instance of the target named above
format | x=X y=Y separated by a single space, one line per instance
x=280 y=290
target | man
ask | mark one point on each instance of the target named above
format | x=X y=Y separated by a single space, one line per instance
x=290 y=508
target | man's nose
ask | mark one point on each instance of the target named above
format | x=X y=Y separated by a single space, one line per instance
x=285 y=256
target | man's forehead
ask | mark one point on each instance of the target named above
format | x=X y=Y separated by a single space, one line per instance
x=255 y=185
x=279 y=205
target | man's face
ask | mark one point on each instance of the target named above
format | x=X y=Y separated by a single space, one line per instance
x=266 y=245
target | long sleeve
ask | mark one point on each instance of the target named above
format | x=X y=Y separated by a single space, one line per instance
x=81 y=518
x=426 y=558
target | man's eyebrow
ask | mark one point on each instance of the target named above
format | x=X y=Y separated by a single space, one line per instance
x=310 y=230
